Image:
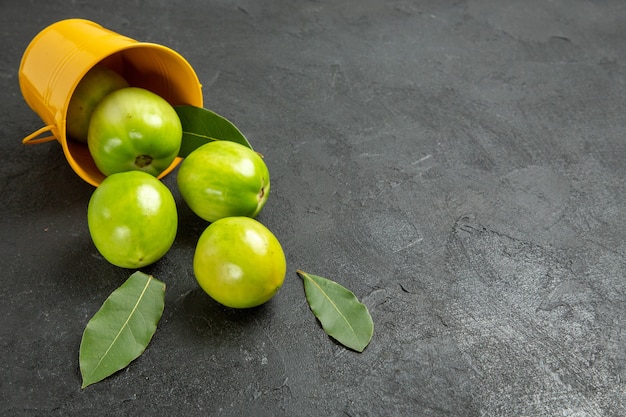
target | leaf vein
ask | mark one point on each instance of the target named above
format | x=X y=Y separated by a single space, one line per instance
x=198 y=135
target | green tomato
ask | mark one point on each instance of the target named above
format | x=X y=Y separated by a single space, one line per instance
x=132 y=219
x=134 y=129
x=91 y=89
x=223 y=179
x=239 y=262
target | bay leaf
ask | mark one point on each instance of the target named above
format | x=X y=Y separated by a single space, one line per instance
x=202 y=126
x=121 y=329
x=342 y=315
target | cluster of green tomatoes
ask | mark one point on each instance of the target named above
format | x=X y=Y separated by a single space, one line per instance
x=133 y=136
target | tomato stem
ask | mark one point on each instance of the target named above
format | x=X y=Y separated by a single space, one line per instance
x=143 y=161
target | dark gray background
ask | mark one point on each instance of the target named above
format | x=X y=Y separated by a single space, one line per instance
x=459 y=165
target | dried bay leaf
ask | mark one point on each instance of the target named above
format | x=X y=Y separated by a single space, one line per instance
x=339 y=311
x=121 y=329
x=201 y=126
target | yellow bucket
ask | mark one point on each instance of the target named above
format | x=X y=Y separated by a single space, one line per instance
x=60 y=55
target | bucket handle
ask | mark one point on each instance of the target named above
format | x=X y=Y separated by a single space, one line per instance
x=33 y=140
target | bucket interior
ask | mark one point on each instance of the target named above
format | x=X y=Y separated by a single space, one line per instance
x=149 y=66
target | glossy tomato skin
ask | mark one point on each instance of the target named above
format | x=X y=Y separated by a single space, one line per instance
x=134 y=129
x=224 y=179
x=132 y=219
x=239 y=262
x=92 y=88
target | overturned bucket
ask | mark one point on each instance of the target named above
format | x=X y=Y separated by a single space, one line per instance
x=60 y=55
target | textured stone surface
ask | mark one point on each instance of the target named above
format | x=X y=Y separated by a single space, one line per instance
x=459 y=165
